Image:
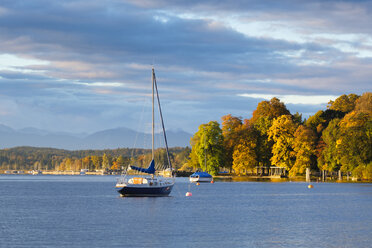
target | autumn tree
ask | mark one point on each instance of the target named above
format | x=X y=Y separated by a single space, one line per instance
x=244 y=155
x=77 y=165
x=304 y=147
x=262 y=119
x=68 y=163
x=120 y=162
x=106 y=161
x=354 y=143
x=115 y=165
x=62 y=166
x=271 y=109
x=282 y=133
x=65 y=165
x=37 y=165
x=96 y=162
x=231 y=128
x=86 y=162
x=364 y=104
x=344 y=103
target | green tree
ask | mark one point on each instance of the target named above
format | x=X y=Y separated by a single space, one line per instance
x=207 y=145
x=330 y=157
x=181 y=158
x=193 y=157
x=297 y=118
x=161 y=158
x=314 y=121
x=282 y=133
x=321 y=119
x=264 y=145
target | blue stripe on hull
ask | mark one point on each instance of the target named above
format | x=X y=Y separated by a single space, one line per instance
x=146 y=191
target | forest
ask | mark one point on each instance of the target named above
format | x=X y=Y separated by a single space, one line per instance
x=338 y=138
x=33 y=158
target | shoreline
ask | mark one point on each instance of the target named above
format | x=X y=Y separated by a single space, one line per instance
x=222 y=178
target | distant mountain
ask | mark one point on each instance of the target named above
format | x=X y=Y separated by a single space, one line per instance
x=106 y=139
x=5 y=129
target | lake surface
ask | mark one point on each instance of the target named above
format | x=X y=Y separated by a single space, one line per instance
x=86 y=211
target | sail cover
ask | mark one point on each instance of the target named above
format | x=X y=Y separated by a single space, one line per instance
x=149 y=170
x=201 y=174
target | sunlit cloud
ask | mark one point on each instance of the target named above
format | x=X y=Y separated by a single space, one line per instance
x=101 y=84
x=16 y=63
x=294 y=99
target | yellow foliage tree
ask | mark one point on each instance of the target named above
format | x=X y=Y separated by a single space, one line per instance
x=231 y=127
x=304 y=147
x=282 y=133
x=244 y=157
x=115 y=165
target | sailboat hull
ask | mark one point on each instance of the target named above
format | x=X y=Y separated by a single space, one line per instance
x=145 y=191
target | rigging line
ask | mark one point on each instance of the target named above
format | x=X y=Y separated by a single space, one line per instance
x=162 y=121
x=153 y=115
x=139 y=124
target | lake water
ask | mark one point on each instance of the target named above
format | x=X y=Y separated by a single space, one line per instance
x=86 y=211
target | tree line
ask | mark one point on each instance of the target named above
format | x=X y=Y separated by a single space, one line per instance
x=33 y=158
x=338 y=138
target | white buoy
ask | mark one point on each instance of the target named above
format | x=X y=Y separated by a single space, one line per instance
x=188 y=194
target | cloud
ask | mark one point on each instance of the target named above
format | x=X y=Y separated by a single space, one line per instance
x=294 y=99
x=78 y=64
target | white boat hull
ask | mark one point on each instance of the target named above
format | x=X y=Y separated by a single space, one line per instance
x=201 y=179
x=145 y=186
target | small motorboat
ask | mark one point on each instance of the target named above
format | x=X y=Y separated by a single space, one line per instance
x=201 y=177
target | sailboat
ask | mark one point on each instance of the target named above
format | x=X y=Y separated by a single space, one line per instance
x=149 y=181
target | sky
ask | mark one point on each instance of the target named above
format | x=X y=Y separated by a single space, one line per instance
x=85 y=66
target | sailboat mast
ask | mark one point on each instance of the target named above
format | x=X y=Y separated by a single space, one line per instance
x=162 y=121
x=153 y=113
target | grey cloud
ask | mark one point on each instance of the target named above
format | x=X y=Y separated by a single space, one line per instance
x=201 y=66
